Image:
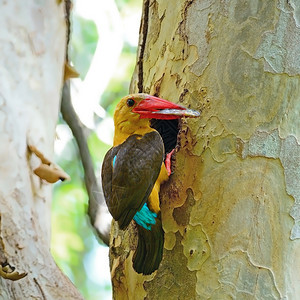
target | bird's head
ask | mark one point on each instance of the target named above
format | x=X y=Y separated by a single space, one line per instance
x=134 y=111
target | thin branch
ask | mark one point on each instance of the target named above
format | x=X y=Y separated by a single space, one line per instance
x=96 y=206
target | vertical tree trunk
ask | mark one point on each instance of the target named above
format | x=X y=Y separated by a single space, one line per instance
x=231 y=210
x=33 y=41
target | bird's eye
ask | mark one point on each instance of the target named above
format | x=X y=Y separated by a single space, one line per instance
x=130 y=102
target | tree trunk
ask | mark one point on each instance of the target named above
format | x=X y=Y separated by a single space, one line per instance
x=231 y=210
x=33 y=42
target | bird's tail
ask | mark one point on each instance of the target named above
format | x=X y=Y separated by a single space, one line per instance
x=148 y=254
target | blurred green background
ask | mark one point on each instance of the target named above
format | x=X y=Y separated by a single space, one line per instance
x=103 y=50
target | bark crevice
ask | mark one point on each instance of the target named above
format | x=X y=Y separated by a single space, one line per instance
x=40 y=288
x=143 y=32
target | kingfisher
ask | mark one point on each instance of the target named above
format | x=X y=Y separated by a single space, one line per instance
x=133 y=170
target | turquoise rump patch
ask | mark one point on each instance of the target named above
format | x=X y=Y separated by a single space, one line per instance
x=145 y=217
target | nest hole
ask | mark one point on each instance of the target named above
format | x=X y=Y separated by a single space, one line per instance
x=168 y=129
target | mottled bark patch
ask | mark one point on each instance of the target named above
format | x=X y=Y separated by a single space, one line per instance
x=173 y=280
x=182 y=214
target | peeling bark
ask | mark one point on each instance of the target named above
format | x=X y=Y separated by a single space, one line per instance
x=231 y=210
x=33 y=39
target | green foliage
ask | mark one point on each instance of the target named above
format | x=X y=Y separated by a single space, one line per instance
x=84 y=43
x=119 y=84
x=97 y=148
x=128 y=3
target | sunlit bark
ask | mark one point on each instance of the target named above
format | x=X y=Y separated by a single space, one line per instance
x=33 y=39
x=231 y=209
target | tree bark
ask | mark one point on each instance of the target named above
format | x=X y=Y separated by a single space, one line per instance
x=33 y=42
x=231 y=210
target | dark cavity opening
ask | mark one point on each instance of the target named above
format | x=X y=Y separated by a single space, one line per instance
x=168 y=129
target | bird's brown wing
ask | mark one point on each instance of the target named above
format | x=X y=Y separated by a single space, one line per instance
x=129 y=172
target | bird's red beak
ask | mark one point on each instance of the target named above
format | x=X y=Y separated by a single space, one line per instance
x=157 y=108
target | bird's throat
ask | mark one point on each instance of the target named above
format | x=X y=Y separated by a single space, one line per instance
x=125 y=129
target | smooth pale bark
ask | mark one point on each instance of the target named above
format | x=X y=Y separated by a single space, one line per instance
x=231 y=209
x=33 y=41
